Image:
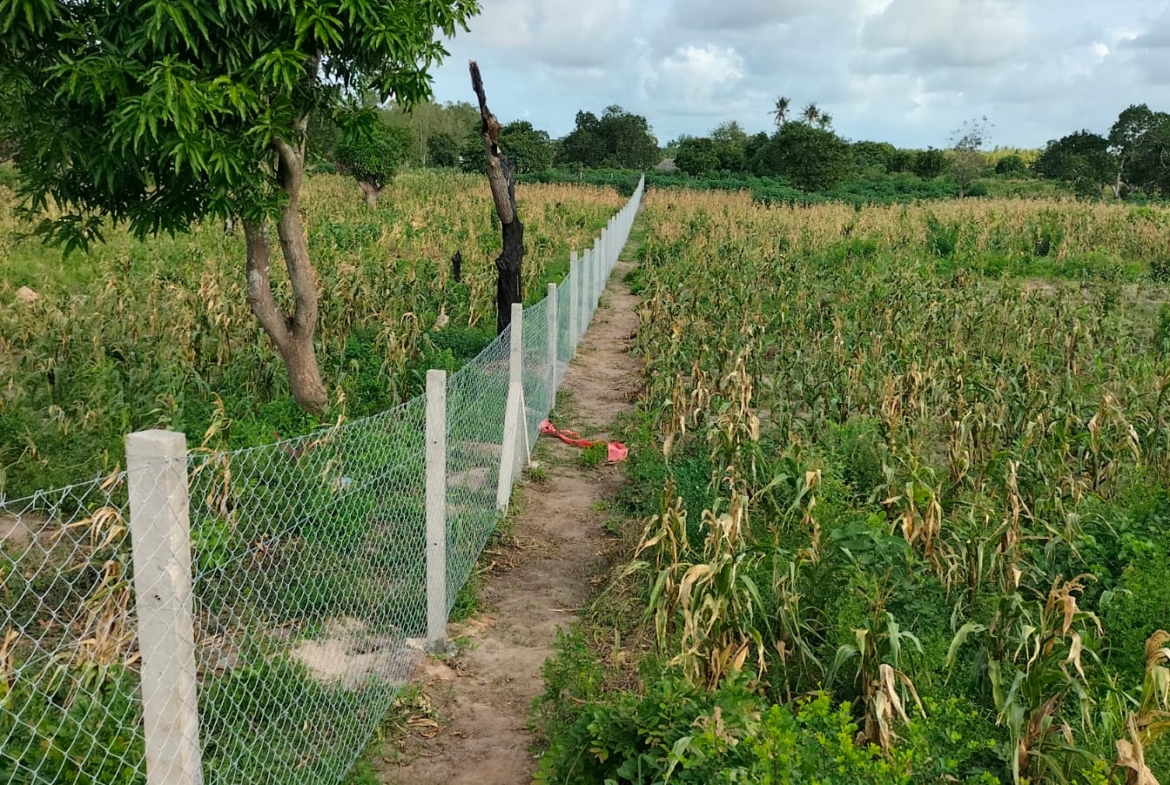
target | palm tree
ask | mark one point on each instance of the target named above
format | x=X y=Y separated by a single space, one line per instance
x=781 y=110
x=825 y=120
x=810 y=114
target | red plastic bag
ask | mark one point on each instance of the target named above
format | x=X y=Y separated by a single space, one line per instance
x=615 y=452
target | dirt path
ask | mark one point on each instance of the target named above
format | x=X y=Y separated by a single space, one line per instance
x=483 y=695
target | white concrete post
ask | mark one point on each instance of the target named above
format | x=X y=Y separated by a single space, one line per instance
x=436 y=511
x=611 y=252
x=574 y=296
x=160 y=537
x=597 y=274
x=553 y=373
x=514 y=450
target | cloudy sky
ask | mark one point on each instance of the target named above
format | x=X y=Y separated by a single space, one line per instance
x=905 y=71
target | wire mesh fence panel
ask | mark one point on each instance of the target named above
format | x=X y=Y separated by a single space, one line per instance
x=70 y=709
x=309 y=584
x=538 y=392
x=476 y=398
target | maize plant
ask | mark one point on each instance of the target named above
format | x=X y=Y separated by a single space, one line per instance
x=984 y=382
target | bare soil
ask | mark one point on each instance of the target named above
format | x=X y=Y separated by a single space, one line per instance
x=483 y=693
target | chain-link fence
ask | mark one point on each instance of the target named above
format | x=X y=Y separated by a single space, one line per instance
x=249 y=616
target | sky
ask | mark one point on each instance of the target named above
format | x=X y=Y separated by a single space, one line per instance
x=909 y=72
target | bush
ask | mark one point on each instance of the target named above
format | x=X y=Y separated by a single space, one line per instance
x=682 y=734
x=1011 y=166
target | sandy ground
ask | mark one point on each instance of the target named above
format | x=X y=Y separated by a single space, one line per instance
x=483 y=694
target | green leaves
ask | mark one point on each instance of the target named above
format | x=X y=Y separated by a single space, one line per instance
x=120 y=110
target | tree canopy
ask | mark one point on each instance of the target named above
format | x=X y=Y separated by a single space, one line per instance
x=158 y=113
x=372 y=154
x=811 y=158
x=1141 y=141
x=617 y=139
x=527 y=148
x=1081 y=159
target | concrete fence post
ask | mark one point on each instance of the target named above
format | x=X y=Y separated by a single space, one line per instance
x=436 y=494
x=553 y=372
x=574 y=289
x=160 y=537
x=514 y=450
x=611 y=253
x=598 y=253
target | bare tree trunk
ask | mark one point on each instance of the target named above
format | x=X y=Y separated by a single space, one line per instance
x=292 y=335
x=503 y=185
x=372 y=193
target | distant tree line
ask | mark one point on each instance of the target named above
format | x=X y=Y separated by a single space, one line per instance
x=803 y=150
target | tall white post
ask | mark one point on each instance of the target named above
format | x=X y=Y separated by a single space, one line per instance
x=514 y=450
x=436 y=511
x=597 y=274
x=574 y=296
x=160 y=537
x=553 y=373
x=611 y=251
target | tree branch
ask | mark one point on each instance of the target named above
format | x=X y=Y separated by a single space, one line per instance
x=259 y=283
x=499 y=167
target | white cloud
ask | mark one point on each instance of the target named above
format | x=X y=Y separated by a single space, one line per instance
x=947 y=33
x=699 y=80
x=737 y=14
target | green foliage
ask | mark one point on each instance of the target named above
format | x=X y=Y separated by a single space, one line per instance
x=167 y=117
x=930 y=163
x=618 y=139
x=813 y=159
x=372 y=154
x=1011 y=166
x=913 y=531
x=941 y=238
x=874 y=155
x=697 y=156
x=1082 y=159
x=1141 y=139
x=594 y=455
x=528 y=149
x=452 y=120
x=9 y=176
x=675 y=733
x=443 y=150
x=88 y=736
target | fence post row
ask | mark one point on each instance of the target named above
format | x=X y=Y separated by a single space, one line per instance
x=160 y=540
x=436 y=505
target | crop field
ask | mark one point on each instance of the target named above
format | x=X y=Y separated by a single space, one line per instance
x=155 y=334
x=917 y=457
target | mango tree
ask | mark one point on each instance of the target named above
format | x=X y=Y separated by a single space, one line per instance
x=161 y=113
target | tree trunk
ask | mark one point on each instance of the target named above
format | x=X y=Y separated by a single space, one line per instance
x=509 y=288
x=291 y=334
x=372 y=192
